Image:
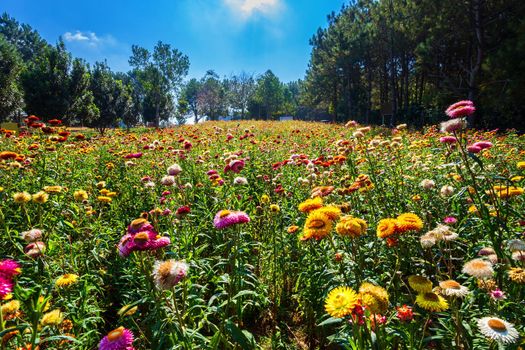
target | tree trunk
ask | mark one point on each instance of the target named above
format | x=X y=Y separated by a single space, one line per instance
x=479 y=52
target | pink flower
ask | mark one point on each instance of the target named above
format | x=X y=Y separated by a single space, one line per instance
x=133 y=155
x=118 y=339
x=227 y=218
x=9 y=268
x=483 y=144
x=448 y=139
x=6 y=287
x=450 y=220
x=473 y=149
x=141 y=236
x=498 y=294
x=461 y=109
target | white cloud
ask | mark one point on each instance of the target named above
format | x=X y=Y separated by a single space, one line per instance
x=247 y=8
x=89 y=38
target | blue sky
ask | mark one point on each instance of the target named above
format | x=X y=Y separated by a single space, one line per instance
x=227 y=36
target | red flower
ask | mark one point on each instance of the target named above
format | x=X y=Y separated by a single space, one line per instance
x=55 y=122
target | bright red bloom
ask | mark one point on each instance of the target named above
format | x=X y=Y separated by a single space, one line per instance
x=405 y=313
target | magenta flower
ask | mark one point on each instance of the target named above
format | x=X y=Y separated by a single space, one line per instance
x=6 y=287
x=118 y=339
x=483 y=144
x=461 y=109
x=450 y=220
x=133 y=155
x=497 y=294
x=473 y=149
x=227 y=218
x=448 y=139
x=9 y=268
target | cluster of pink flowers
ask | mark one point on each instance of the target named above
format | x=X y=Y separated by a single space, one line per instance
x=36 y=247
x=227 y=218
x=141 y=236
x=8 y=270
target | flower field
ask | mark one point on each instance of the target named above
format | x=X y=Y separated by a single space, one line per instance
x=272 y=235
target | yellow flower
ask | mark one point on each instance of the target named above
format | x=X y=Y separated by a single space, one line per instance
x=386 y=227
x=375 y=298
x=21 y=197
x=517 y=275
x=40 y=197
x=104 y=191
x=66 y=280
x=101 y=184
x=265 y=199
x=52 y=318
x=53 y=189
x=513 y=179
x=331 y=211
x=341 y=301
x=420 y=284
x=275 y=208
x=431 y=302
x=317 y=226
x=311 y=204
x=111 y=194
x=409 y=222
x=10 y=307
x=350 y=226
x=104 y=199
x=80 y=195
x=521 y=165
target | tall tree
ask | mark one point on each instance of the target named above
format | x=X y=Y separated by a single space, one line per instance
x=11 y=99
x=211 y=98
x=240 y=89
x=160 y=73
x=269 y=93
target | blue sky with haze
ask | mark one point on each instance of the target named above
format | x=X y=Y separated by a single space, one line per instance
x=224 y=35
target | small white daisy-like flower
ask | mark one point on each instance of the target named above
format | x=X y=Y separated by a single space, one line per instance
x=498 y=329
x=453 y=289
x=478 y=268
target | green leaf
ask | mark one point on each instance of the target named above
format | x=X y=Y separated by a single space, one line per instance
x=242 y=337
x=330 y=321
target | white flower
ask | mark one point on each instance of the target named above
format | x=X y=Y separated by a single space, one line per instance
x=168 y=180
x=453 y=288
x=174 y=170
x=447 y=191
x=427 y=184
x=498 y=329
x=240 y=181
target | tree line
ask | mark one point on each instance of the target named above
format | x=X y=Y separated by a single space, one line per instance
x=37 y=78
x=393 y=61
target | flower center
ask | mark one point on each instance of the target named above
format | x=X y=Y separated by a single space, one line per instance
x=431 y=297
x=316 y=224
x=451 y=285
x=141 y=236
x=224 y=213
x=138 y=222
x=497 y=325
x=480 y=264
x=115 y=334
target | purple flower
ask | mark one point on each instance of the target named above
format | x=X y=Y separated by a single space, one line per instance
x=118 y=339
x=227 y=218
x=235 y=165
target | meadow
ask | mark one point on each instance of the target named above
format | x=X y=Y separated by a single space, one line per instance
x=262 y=235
